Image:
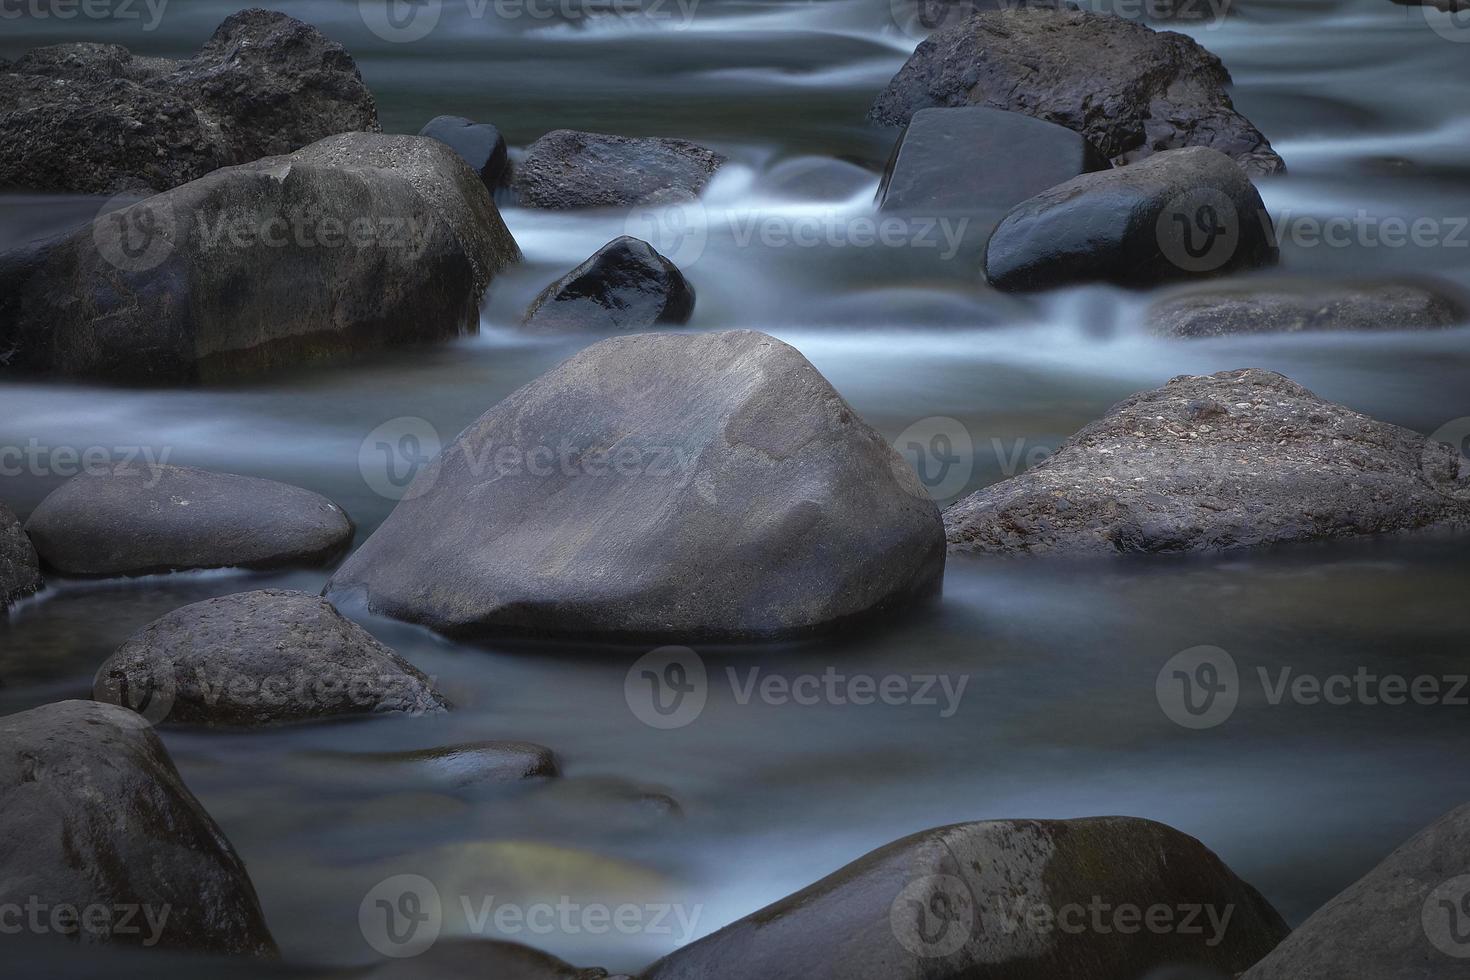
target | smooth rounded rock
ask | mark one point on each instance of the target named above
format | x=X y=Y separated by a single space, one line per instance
x=159 y=518
x=1293 y=306
x=20 y=569
x=626 y=285
x=658 y=485
x=480 y=144
x=571 y=169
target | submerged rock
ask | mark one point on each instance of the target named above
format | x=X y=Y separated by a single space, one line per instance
x=1177 y=215
x=482 y=959
x=480 y=144
x=94 y=119
x=1296 y=306
x=263 y=658
x=571 y=169
x=455 y=766
x=93 y=815
x=1130 y=90
x=172 y=518
x=689 y=486
x=354 y=243
x=1404 y=920
x=626 y=285
x=1003 y=900
x=1229 y=460
x=20 y=570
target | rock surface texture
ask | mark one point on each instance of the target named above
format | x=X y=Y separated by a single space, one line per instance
x=1294 y=307
x=572 y=169
x=626 y=285
x=20 y=569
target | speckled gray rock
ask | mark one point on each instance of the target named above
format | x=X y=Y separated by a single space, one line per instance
x=20 y=570
x=147 y=519
x=92 y=118
x=357 y=242
x=1000 y=900
x=93 y=812
x=1130 y=90
x=261 y=658
x=1181 y=214
x=1291 y=306
x=567 y=168
x=658 y=485
x=1405 y=920
x=1229 y=460
x=625 y=285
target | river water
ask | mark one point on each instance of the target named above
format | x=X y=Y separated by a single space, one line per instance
x=1059 y=716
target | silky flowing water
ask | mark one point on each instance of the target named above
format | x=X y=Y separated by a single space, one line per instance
x=1059 y=716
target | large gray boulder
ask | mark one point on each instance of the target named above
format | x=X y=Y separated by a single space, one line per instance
x=1229 y=460
x=1296 y=306
x=658 y=485
x=1181 y=214
x=261 y=658
x=1407 y=919
x=568 y=168
x=20 y=570
x=139 y=521
x=354 y=243
x=93 y=814
x=1103 y=898
x=1130 y=90
x=92 y=118
x=625 y=285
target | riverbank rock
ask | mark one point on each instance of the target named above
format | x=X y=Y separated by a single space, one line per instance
x=93 y=813
x=972 y=158
x=1130 y=90
x=1404 y=920
x=1299 y=306
x=160 y=518
x=571 y=169
x=20 y=570
x=263 y=658
x=658 y=485
x=626 y=285
x=95 y=119
x=480 y=144
x=484 y=959
x=1229 y=460
x=354 y=243
x=1004 y=900
x=1177 y=215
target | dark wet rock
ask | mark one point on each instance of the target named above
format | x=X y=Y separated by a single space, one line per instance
x=1296 y=306
x=144 y=519
x=93 y=118
x=20 y=570
x=999 y=899
x=480 y=144
x=262 y=658
x=356 y=242
x=808 y=178
x=971 y=158
x=1182 y=214
x=93 y=812
x=1130 y=90
x=626 y=285
x=1229 y=460
x=1404 y=920
x=482 y=959
x=571 y=169
x=1449 y=6
x=456 y=766
x=660 y=484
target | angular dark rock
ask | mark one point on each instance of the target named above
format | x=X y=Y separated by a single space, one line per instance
x=571 y=169
x=20 y=570
x=480 y=144
x=625 y=285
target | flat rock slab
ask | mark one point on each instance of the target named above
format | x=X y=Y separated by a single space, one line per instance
x=1182 y=214
x=1404 y=920
x=970 y=158
x=262 y=658
x=658 y=485
x=20 y=569
x=1298 y=307
x=94 y=119
x=174 y=518
x=1000 y=900
x=1230 y=460
x=483 y=959
x=567 y=168
x=480 y=144
x=625 y=285
x=1130 y=90
x=93 y=812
